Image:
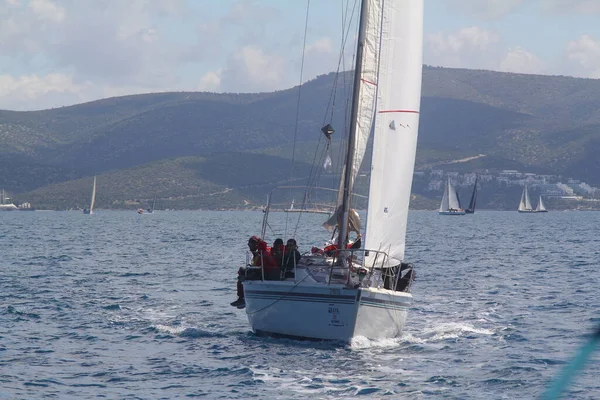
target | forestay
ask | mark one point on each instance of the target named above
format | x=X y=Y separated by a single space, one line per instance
x=367 y=92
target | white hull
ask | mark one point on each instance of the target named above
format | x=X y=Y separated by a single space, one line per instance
x=324 y=312
x=452 y=212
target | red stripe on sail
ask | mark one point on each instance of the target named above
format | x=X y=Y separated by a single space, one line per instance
x=369 y=82
x=398 y=111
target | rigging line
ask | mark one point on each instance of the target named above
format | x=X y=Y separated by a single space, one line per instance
x=312 y=179
x=332 y=97
x=341 y=60
x=300 y=90
x=299 y=97
x=344 y=37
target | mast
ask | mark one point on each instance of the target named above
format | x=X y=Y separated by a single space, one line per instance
x=342 y=240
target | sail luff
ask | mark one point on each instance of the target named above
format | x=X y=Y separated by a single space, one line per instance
x=540 y=206
x=453 y=202
x=396 y=127
x=527 y=200
x=350 y=166
x=93 y=200
x=444 y=204
x=522 y=202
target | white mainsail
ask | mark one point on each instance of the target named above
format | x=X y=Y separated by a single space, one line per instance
x=396 y=122
x=445 y=205
x=93 y=196
x=453 y=202
x=540 y=206
x=525 y=204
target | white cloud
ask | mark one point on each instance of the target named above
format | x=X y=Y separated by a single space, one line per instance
x=35 y=92
x=571 y=6
x=321 y=45
x=521 y=61
x=486 y=9
x=583 y=56
x=471 y=47
x=253 y=69
x=211 y=81
x=47 y=10
x=45 y=91
x=106 y=41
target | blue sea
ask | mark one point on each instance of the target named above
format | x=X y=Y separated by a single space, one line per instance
x=124 y=306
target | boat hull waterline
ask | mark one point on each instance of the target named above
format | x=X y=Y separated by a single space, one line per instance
x=324 y=312
x=452 y=212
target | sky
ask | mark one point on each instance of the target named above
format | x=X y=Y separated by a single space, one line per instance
x=62 y=52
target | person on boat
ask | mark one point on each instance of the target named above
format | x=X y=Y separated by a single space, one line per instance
x=260 y=257
x=331 y=250
x=291 y=258
x=277 y=251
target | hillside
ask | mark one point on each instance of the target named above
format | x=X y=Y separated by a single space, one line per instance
x=211 y=142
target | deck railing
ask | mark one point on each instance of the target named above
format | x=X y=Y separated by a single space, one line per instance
x=347 y=263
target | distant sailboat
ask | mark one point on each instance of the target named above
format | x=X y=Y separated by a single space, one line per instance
x=91 y=209
x=473 y=202
x=149 y=210
x=6 y=206
x=525 y=204
x=540 y=207
x=450 y=203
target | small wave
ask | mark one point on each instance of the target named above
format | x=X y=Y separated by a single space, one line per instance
x=189 y=332
x=361 y=342
x=367 y=391
x=36 y=384
x=129 y=274
x=454 y=330
x=12 y=310
x=112 y=307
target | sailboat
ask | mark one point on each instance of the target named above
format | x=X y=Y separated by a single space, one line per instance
x=6 y=206
x=540 y=207
x=525 y=204
x=360 y=291
x=92 y=201
x=450 y=204
x=149 y=210
x=473 y=202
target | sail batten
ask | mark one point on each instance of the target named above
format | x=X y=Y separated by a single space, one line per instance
x=396 y=124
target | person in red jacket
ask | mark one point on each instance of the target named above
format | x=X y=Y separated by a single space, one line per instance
x=331 y=250
x=261 y=257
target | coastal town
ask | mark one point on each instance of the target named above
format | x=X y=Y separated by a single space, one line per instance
x=566 y=192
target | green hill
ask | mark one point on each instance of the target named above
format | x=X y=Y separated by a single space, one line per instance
x=186 y=146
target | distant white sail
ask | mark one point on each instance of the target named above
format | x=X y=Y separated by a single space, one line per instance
x=540 y=206
x=93 y=196
x=445 y=205
x=453 y=202
x=525 y=204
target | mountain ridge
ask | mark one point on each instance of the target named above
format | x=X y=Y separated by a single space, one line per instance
x=546 y=124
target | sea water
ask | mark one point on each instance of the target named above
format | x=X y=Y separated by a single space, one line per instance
x=121 y=305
